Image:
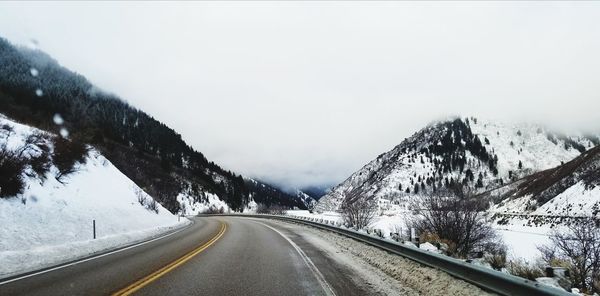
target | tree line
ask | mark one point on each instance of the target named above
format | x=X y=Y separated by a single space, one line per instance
x=34 y=87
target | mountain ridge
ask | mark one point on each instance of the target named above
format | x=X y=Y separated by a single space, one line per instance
x=476 y=153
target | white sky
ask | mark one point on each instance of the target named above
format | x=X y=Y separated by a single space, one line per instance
x=306 y=93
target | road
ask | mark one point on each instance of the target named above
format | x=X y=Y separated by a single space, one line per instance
x=213 y=256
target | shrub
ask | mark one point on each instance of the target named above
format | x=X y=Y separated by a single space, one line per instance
x=12 y=167
x=524 y=270
x=496 y=261
x=213 y=209
x=152 y=205
x=40 y=165
x=577 y=248
x=141 y=197
x=358 y=212
x=445 y=245
x=67 y=154
x=272 y=210
x=458 y=221
x=39 y=151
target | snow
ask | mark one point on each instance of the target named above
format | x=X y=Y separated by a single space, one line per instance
x=575 y=201
x=251 y=207
x=307 y=200
x=191 y=207
x=521 y=241
x=532 y=146
x=513 y=143
x=51 y=222
x=429 y=247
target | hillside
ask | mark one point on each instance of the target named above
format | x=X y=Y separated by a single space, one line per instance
x=316 y=192
x=50 y=219
x=308 y=200
x=478 y=154
x=270 y=195
x=34 y=88
x=571 y=189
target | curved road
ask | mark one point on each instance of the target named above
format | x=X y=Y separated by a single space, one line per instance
x=213 y=256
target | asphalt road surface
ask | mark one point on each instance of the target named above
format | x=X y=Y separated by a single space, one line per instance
x=213 y=256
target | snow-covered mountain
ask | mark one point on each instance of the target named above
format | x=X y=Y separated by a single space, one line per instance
x=316 y=192
x=46 y=215
x=266 y=194
x=571 y=189
x=479 y=154
x=306 y=199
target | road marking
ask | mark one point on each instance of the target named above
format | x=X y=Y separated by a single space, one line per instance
x=93 y=257
x=320 y=278
x=169 y=267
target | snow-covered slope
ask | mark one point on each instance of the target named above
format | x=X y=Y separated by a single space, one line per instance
x=51 y=221
x=479 y=154
x=571 y=189
x=194 y=204
x=265 y=194
x=306 y=199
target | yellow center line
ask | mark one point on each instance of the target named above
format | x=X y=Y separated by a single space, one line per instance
x=167 y=268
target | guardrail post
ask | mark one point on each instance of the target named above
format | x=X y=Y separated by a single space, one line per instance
x=94 y=228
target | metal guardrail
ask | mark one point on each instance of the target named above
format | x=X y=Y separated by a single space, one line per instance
x=485 y=278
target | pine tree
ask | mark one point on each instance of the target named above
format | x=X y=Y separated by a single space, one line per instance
x=480 y=181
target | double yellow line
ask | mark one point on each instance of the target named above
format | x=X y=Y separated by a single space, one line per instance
x=166 y=269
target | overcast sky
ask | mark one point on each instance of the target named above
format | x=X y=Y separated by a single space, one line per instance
x=306 y=93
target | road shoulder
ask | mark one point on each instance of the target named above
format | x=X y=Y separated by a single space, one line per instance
x=377 y=271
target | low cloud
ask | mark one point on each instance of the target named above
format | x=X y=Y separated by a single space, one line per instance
x=306 y=93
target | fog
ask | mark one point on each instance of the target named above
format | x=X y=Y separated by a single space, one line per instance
x=305 y=93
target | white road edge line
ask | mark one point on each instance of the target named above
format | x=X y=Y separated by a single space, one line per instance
x=94 y=257
x=324 y=284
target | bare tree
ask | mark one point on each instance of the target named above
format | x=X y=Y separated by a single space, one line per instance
x=272 y=209
x=458 y=220
x=67 y=155
x=579 y=249
x=12 y=167
x=358 y=212
x=152 y=205
x=141 y=196
x=213 y=209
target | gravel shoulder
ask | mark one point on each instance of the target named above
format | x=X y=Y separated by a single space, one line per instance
x=381 y=272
